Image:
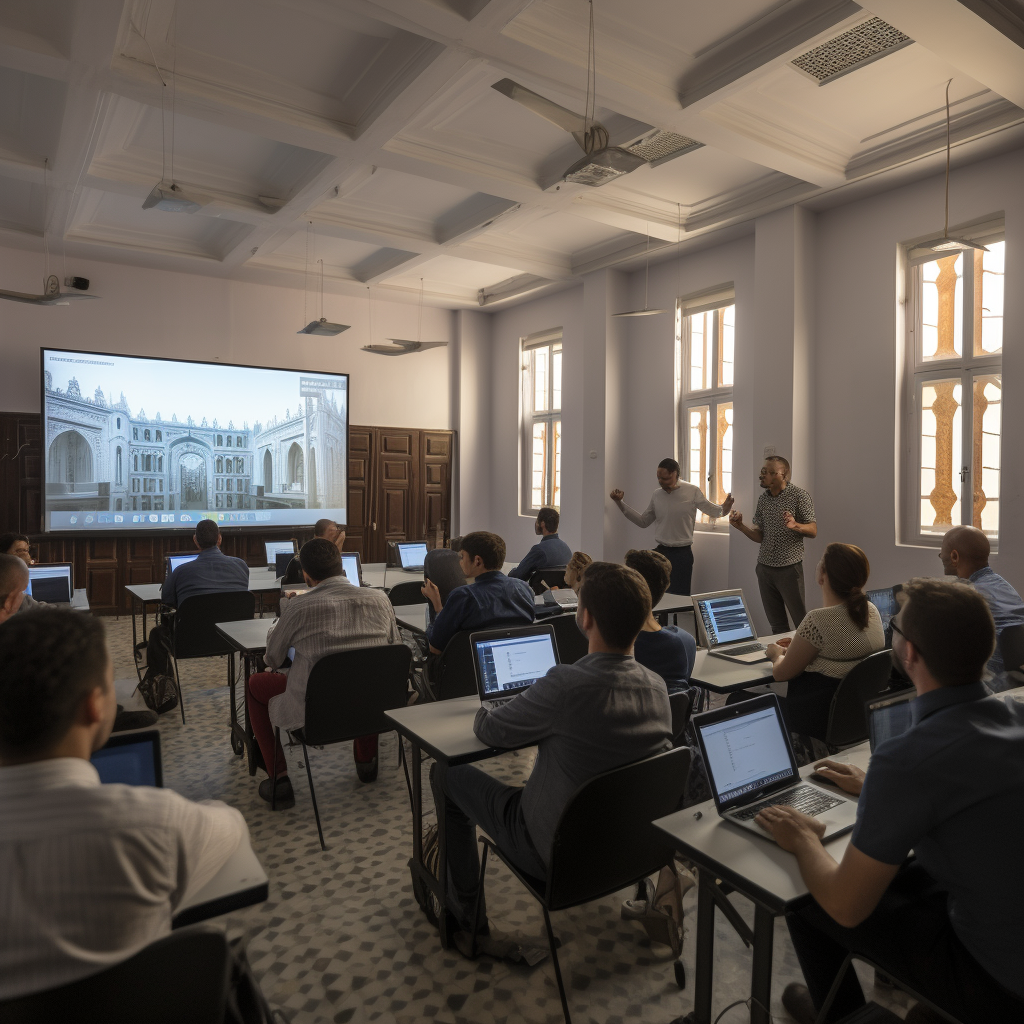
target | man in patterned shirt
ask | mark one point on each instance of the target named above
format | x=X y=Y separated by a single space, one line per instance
x=783 y=517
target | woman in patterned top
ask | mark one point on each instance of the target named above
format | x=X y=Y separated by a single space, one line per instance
x=828 y=642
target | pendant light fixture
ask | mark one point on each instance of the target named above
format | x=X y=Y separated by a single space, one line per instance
x=945 y=245
x=322 y=326
x=646 y=311
x=402 y=346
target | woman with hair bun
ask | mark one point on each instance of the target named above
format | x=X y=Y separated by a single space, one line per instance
x=829 y=640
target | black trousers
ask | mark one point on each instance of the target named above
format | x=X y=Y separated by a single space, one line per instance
x=682 y=567
x=909 y=936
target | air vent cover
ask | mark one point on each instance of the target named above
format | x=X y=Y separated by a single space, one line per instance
x=661 y=145
x=868 y=42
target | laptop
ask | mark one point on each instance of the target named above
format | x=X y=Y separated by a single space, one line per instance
x=52 y=582
x=887 y=605
x=352 y=567
x=725 y=628
x=278 y=547
x=888 y=716
x=172 y=562
x=131 y=758
x=282 y=559
x=750 y=765
x=508 y=661
x=411 y=555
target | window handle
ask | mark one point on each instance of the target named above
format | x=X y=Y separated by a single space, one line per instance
x=965 y=472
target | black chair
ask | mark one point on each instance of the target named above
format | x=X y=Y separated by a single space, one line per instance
x=572 y=644
x=547 y=579
x=589 y=860
x=681 y=708
x=1011 y=648
x=847 y=718
x=452 y=672
x=346 y=697
x=184 y=976
x=195 y=635
x=406 y=593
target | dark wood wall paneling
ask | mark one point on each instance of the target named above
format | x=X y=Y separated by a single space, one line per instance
x=399 y=489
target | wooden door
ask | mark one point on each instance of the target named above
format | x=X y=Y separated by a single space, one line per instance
x=436 y=486
x=360 y=535
x=398 y=472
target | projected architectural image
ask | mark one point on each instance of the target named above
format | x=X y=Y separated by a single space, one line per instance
x=247 y=444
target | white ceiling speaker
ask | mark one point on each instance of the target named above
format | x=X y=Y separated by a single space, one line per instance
x=601 y=163
x=323 y=326
x=402 y=346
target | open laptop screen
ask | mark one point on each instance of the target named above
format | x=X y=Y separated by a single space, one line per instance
x=350 y=563
x=50 y=583
x=725 y=619
x=176 y=561
x=411 y=555
x=889 y=717
x=131 y=758
x=278 y=547
x=512 y=663
x=885 y=602
x=745 y=752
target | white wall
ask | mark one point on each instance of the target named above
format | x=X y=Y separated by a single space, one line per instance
x=157 y=313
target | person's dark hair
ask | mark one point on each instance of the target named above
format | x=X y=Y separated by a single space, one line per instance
x=489 y=546
x=52 y=659
x=670 y=464
x=784 y=463
x=549 y=517
x=618 y=599
x=655 y=568
x=323 y=526
x=13 y=575
x=207 y=532
x=8 y=540
x=950 y=625
x=320 y=559
x=847 y=569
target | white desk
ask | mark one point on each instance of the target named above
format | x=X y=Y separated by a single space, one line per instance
x=721 y=676
x=413 y=616
x=242 y=882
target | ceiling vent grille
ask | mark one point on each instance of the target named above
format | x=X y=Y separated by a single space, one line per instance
x=861 y=45
x=659 y=145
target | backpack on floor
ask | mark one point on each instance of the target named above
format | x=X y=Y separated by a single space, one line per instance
x=158 y=688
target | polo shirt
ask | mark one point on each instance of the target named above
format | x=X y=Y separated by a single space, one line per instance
x=551 y=550
x=781 y=546
x=951 y=789
x=1003 y=602
x=212 y=572
x=491 y=599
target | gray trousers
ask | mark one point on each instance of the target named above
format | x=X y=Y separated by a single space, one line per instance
x=782 y=590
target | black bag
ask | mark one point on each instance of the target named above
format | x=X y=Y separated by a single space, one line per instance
x=158 y=688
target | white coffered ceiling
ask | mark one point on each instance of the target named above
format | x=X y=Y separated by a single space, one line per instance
x=374 y=120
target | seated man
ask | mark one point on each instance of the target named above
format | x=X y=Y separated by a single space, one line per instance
x=16 y=544
x=951 y=789
x=964 y=553
x=13 y=581
x=212 y=572
x=604 y=711
x=667 y=650
x=329 y=530
x=492 y=599
x=333 y=616
x=89 y=873
x=551 y=550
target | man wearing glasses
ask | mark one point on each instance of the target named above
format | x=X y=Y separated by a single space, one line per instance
x=950 y=924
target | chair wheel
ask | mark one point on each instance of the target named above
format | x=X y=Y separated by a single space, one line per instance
x=237 y=746
x=680 y=973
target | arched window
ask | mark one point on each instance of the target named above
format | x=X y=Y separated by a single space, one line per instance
x=220 y=440
x=220 y=464
x=118 y=422
x=136 y=463
x=118 y=505
x=160 y=464
x=159 y=435
x=146 y=436
x=229 y=505
x=296 y=468
x=230 y=485
x=268 y=472
x=135 y=433
x=229 y=440
x=238 y=442
x=118 y=478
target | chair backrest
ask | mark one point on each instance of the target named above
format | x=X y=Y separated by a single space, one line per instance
x=347 y=693
x=410 y=592
x=572 y=644
x=1011 y=647
x=605 y=840
x=442 y=568
x=847 y=719
x=681 y=708
x=547 y=579
x=194 y=622
x=184 y=976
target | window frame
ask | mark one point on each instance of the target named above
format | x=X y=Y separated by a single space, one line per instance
x=552 y=417
x=918 y=372
x=713 y=397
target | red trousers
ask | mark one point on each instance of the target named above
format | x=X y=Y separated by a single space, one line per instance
x=259 y=689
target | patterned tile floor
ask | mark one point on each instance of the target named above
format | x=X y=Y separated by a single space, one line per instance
x=341 y=937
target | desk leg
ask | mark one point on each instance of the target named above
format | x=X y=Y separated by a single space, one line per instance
x=135 y=638
x=426 y=886
x=761 y=970
x=705 y=965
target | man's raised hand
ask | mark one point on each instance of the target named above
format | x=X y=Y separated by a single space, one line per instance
x=617 y=495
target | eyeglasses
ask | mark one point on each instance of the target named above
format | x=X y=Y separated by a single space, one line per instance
x=896 y=629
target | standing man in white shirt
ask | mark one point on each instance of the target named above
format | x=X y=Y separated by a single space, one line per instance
x=673 y=510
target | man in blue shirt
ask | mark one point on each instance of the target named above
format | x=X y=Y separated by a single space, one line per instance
x=551 y=550
x=212 y=572
x=964 y=553
x=492 y=599
x=950 y=924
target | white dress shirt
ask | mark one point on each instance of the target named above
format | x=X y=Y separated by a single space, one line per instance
x=673 y=513
x=91 y=873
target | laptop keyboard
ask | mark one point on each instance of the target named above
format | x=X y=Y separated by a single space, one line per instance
x=498 y=701
x=806 y=799
x=745 y=649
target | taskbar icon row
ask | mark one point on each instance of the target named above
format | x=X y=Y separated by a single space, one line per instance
x=162 y=518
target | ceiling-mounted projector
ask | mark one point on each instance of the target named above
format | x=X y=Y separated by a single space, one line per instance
x=171 y=198
x=323 y=326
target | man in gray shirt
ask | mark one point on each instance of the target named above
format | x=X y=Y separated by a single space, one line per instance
x=783 y=517
x=604 y=711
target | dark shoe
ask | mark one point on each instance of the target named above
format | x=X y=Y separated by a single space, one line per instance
x=367 y=770
x=285 y=796
x=133 y=719
x=797 y=1001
